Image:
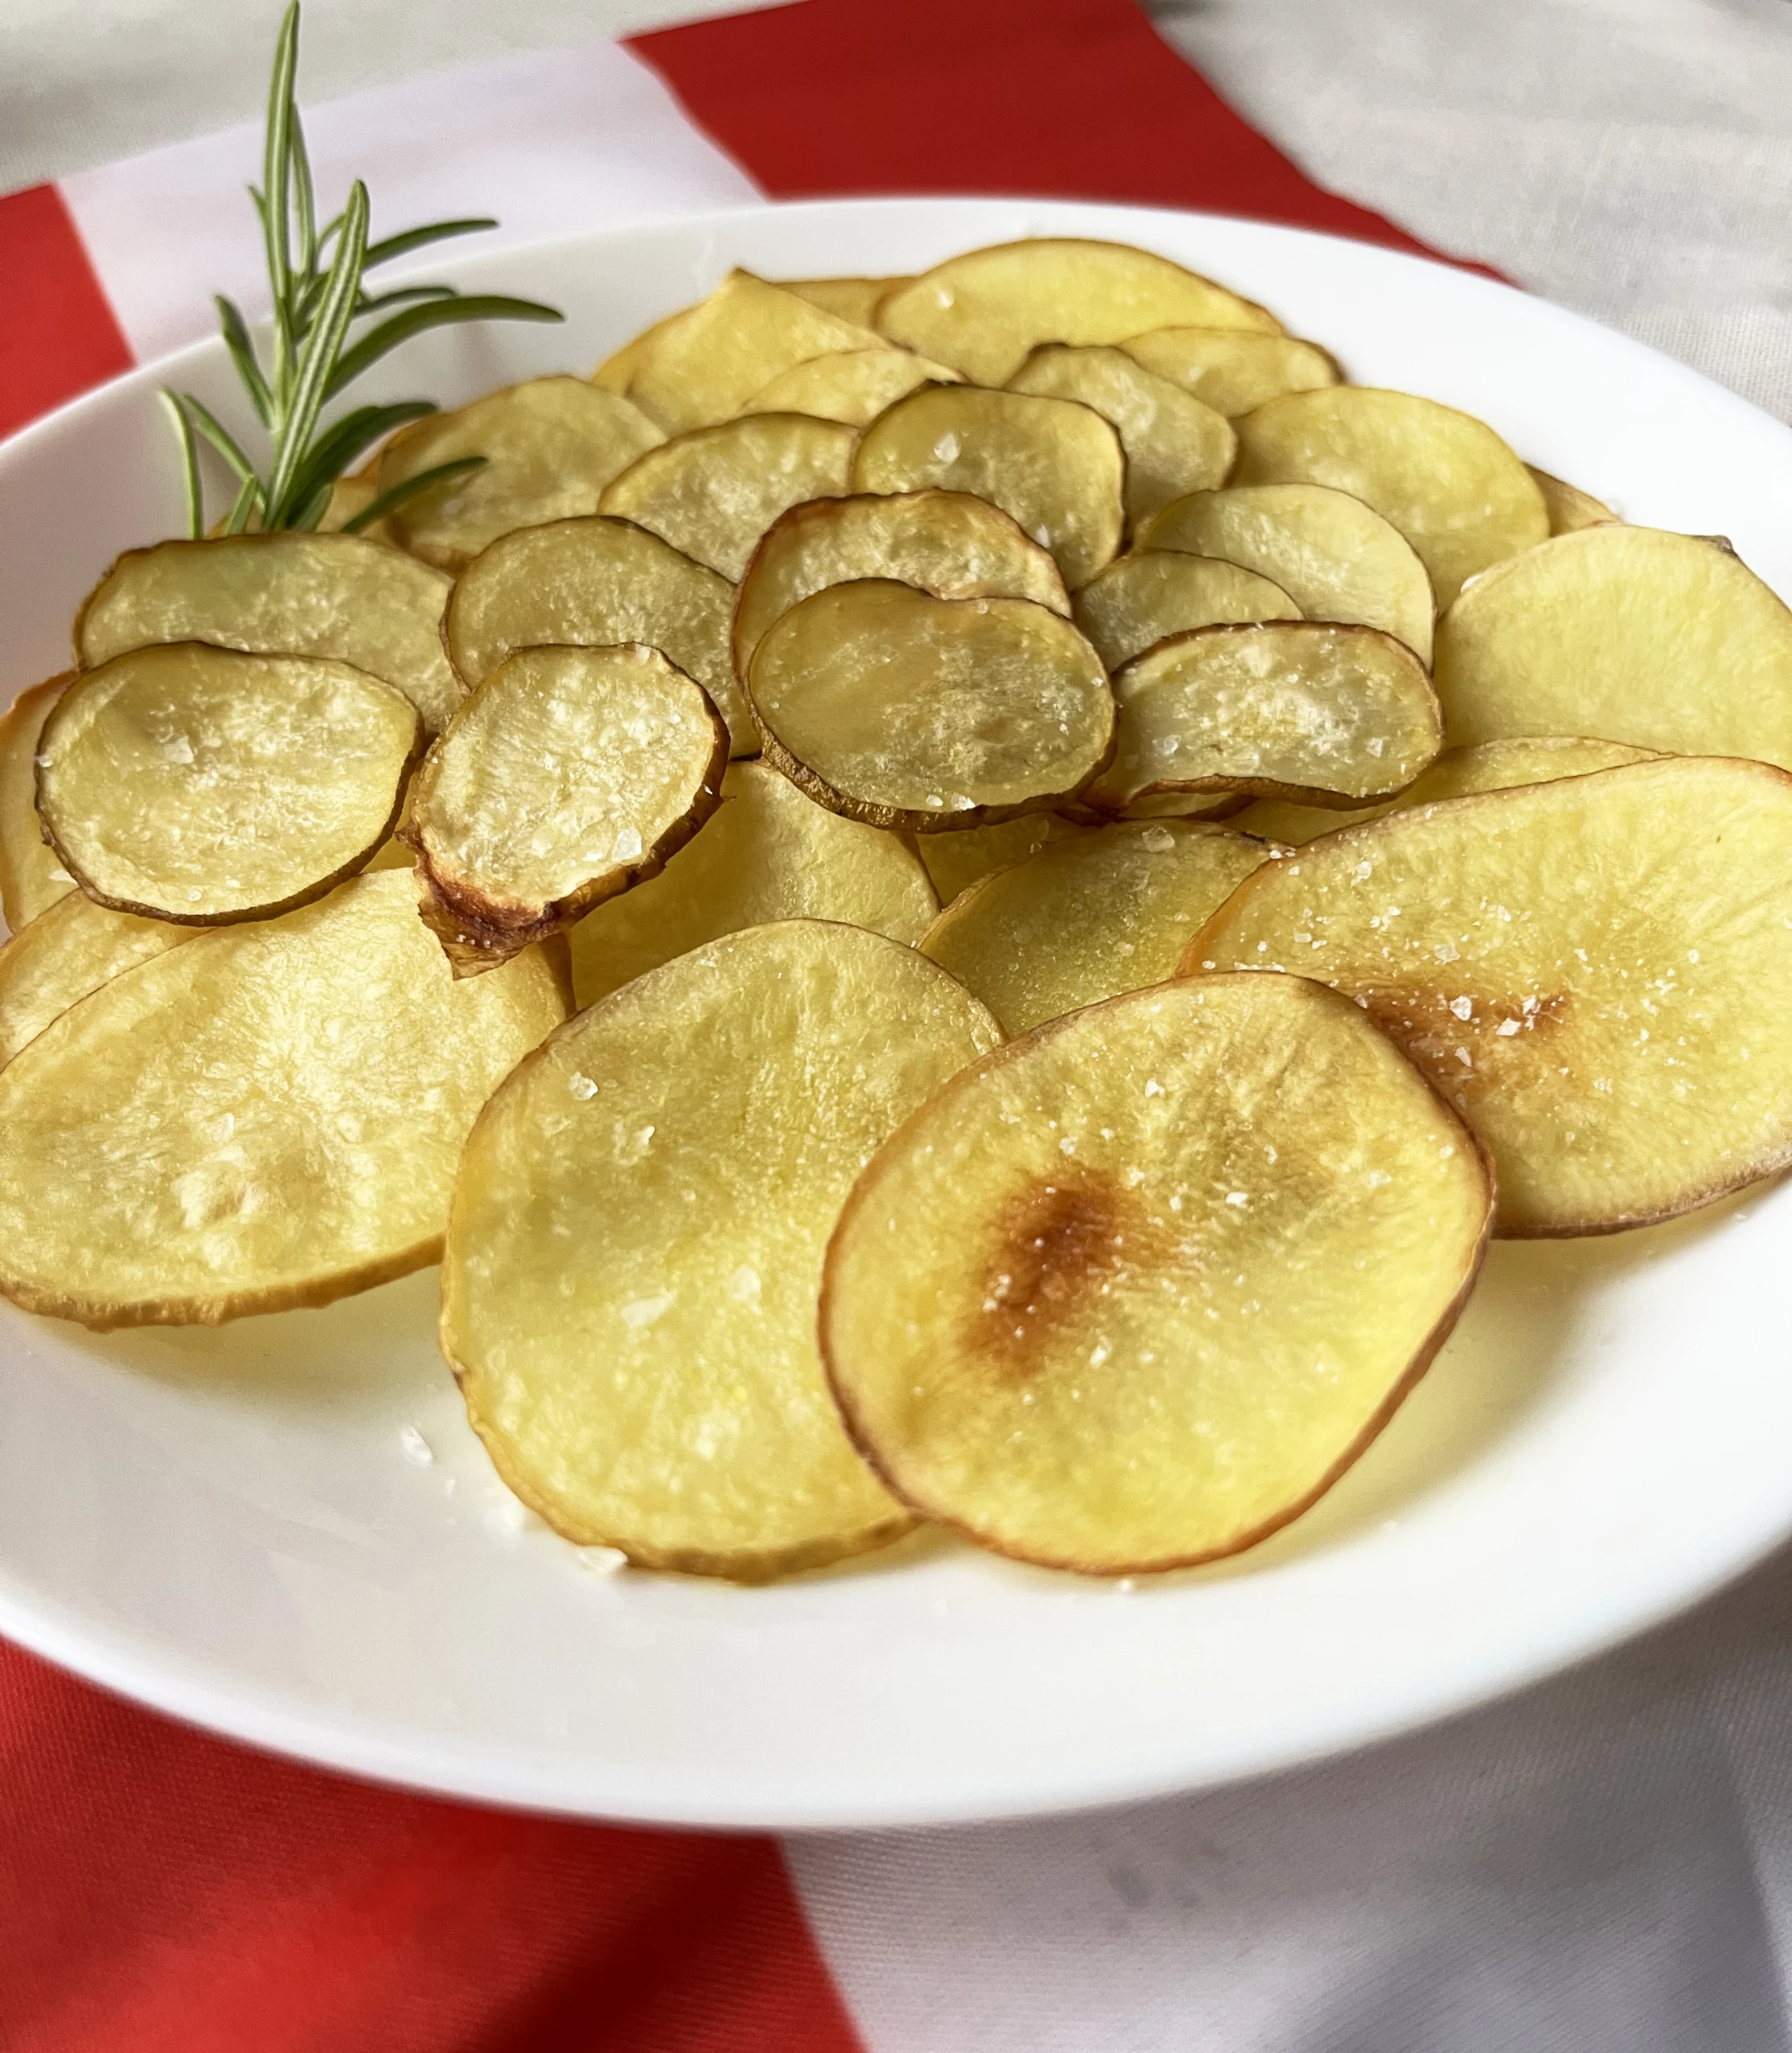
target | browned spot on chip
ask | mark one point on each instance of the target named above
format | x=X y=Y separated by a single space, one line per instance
x=1057 y=1247
x=1466 y=1040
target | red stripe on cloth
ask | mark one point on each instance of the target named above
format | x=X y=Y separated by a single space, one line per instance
x=58 y=336
x=1077 y=100
x=166 y=1892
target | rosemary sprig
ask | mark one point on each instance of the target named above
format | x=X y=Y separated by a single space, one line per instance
x=315 y=278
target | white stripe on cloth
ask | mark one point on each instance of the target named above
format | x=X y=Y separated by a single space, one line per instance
x=551 y=143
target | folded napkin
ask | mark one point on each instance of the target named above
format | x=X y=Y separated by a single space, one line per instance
x=1603 y=1864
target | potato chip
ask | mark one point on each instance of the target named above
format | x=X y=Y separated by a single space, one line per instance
x=1593 y=970
x=70 y=950
x=703 y=365
x=1134 y=1291
x=269 y=1114
x=568 y=775
x=628 y=1294
x=199 y=784
x=1294 y=709
x=1335 y=558
x=1445 y=480
x=550 y=446
x=31 y=875
x=1231 y=369
x=1174 y=443
x=949 y=543
x=981 y=313
x=1489 y=766
x=714 y=491
x=1152 y=593
x=1569 y=509
x=850 y=299
x=905 y=711
x=293 y=593
x=848 y=385
x=1055 y=464
x=593 y=583
x=1087 y=919
x=955 y=862
x=1656 y=639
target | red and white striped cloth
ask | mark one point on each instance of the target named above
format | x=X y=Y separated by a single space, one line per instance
x=1604 y=1864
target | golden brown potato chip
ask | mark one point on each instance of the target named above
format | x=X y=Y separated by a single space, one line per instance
x=949 y=543
x=31 y=875
x=1055 y=464
x=269 y=1114
x=1652 y=638
x=1134 y=1291
x=201 y=785
x=981 y=313
x=955 y=862
x=1569 y=509
x=628 y=1294
x=769 y=854
x=593 y=583
x=1594 y=970
x=703 y=365
x=851 y=299
x=70 y=950
x=905 y=711
x=713 y=492
x=1231 y=369
x=568 y=775
x=293 y=593
x=1444 y=479
x=550 y=446
x=1174 y=443
x=1489 y=766
x=1300 y=709
x=1337 y=558
x=1087 y=919
x=1152 y=593
x=848 y=385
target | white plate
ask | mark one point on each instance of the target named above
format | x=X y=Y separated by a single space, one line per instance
x=228 y=1524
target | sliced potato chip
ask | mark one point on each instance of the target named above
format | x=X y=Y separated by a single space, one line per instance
x=1152 y=593
x=956 y=861
x=1594 y=970
x=950 y=543
x=1335 y=558
x=1133 y=1292
x=713 y=492
x=769 y=854
x=981 y=313
x=31 y=875
x=1231 y=369
x=612 y=375
x=267 y=1115
x=902 y=710
x=70 y=950
x=349 y=497
x=567 y=776
x=851 y=299
x=289 y=594
x=1444 y=479
x=198 y=784
x=1489 y=766
x=703 y=365
x=643 y=1369
x=1055 y=464
x=1652 y=638
x=1087 y=919
x=593 y=583
x=1569 y=509
x=1174 y=443
x=550 y=446
x=848 y=385
x=1294 y=709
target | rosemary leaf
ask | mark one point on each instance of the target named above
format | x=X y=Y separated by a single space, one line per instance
x=383 y=251
x=434 y=314
x=394 y=495
x=343 y=443
x=312 y=383
x=189 y=466
x=242 y=354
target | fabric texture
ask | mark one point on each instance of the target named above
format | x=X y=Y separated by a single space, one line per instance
x=1603 y=1863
